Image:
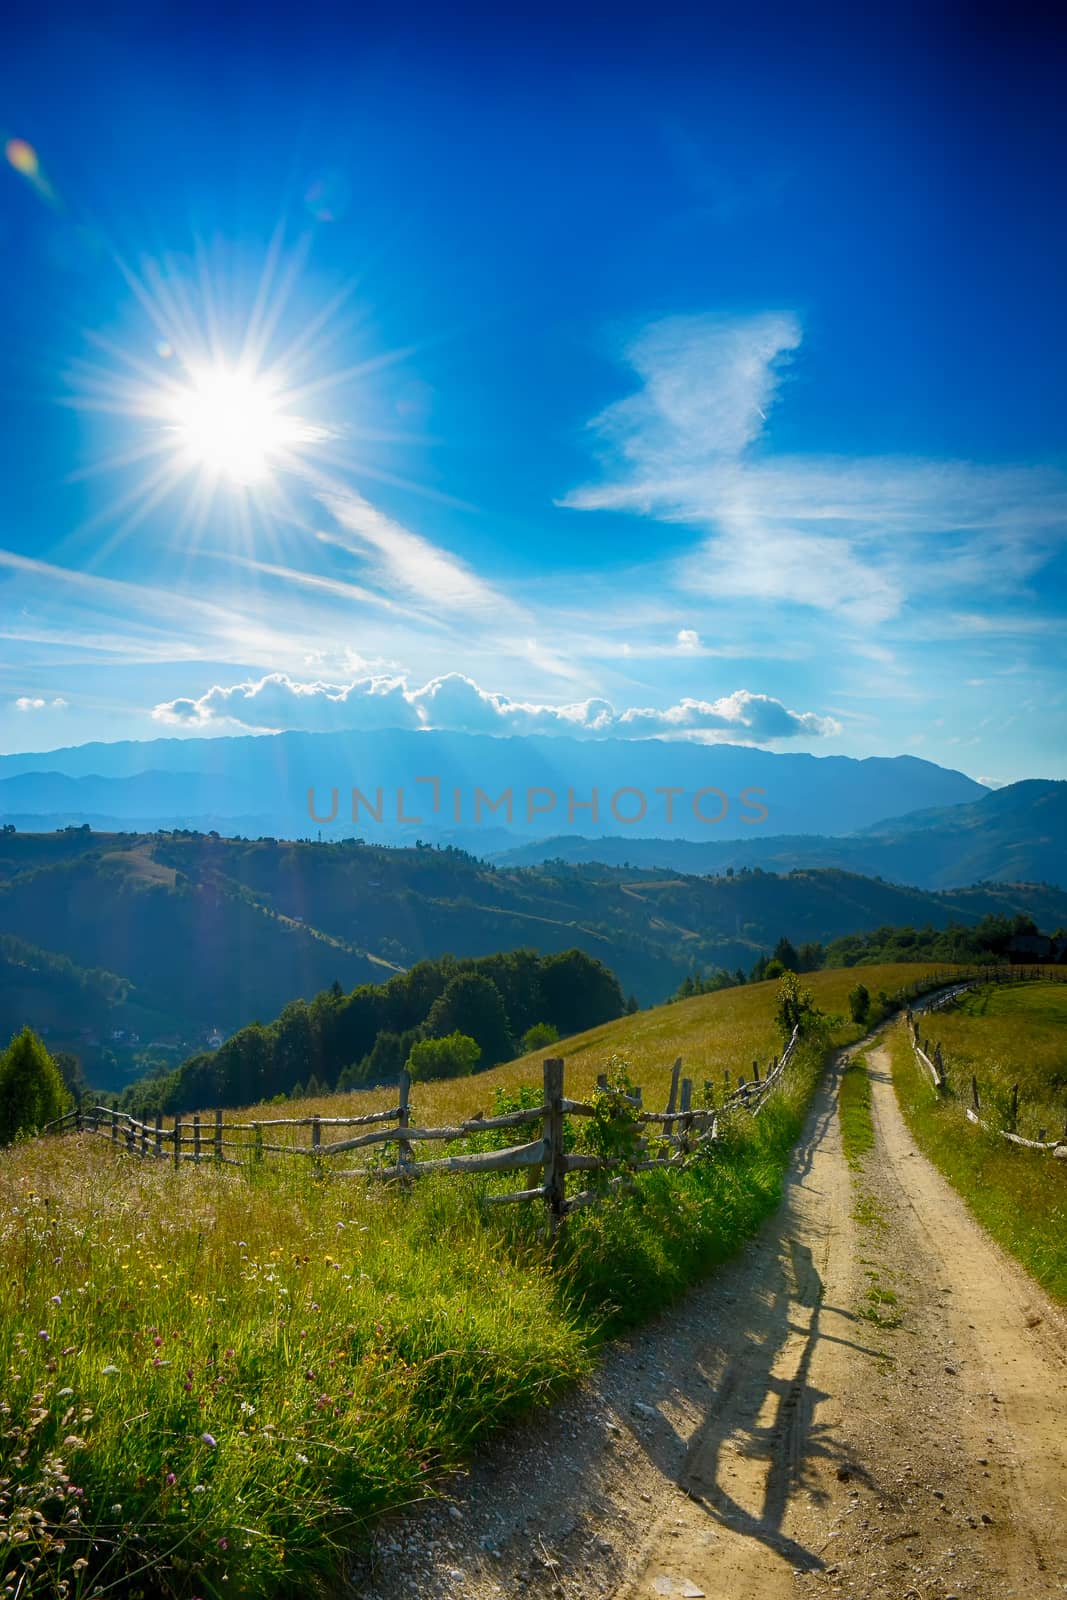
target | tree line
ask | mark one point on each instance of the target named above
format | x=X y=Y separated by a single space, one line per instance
x=366 y=1037
x=986 y=942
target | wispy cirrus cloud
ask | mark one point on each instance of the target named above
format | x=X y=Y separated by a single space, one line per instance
x=407 y=563
x=454 y=702
x=859 y=538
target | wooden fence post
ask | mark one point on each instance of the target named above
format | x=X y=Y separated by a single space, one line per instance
x=601 y=1080
x=672 y=1098
x=144 y=1140
x=196 y=1137
x=552 y=1133
x=316 y=1135
x=257 y=1148
x=686 y=1107
x=114 y=1125
x=755 y=1070
x=218 y=1133
x=177 y=1141
x=159 y=1133
x=403 y=1121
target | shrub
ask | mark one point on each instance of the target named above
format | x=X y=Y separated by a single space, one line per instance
x=454 y=1056
x=539 y=1037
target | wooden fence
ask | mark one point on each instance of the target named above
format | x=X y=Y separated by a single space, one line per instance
x=646 y=1139
x=931 y=1058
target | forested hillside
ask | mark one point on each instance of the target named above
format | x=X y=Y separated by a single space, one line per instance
x=209 y=934
x=351 y=1040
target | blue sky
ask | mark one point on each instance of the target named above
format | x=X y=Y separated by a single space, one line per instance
x=695 y=378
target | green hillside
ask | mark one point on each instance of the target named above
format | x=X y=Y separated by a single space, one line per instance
x=213 y=933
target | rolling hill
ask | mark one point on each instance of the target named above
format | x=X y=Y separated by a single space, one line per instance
x=1011 y=835
x=212 y=933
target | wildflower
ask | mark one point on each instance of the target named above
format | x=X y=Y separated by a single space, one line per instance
x=157 y=1341
x=63 y=1393
x=224 y=1544
x=171 y=1478
x=109 y=1371
x=42 y=1333
x=116 y=1510
x=247 y=1408
x=208 y=1439
x=303 y=1460
x=198 y=1488
x=57 y=1299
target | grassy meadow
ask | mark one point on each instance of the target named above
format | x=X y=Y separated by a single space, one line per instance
x=211 y=1380
x=714 y=1035
x=1019 y=1195
x=1007 y=1035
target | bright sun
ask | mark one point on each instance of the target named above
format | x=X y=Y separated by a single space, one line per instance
x=228 y=423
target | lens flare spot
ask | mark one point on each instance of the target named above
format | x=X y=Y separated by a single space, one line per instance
x=23 y=157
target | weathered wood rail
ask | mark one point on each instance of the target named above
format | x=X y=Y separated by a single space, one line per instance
x=666 y=1138
x=931 y=1058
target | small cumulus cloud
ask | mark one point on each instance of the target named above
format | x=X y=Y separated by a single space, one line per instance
x=28 y=702
x=688 y=639
x=455 y=703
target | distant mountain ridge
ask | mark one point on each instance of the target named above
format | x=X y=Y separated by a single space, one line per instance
x=1011 y=835
x=674 y=788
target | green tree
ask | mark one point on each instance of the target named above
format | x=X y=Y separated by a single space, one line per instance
x=455 y=1055
x=31 y=1089
x=796 y=1007
x=579 y=992
x=859 y=1003
x=810 y=957
x=472 y=1004
x=785 y=952
x=539 y=1037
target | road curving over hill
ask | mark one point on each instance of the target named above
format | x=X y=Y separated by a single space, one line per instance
x=870 y=1402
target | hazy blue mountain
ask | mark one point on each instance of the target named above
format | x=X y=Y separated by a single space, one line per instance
x=224 y=782
x=1015 y=834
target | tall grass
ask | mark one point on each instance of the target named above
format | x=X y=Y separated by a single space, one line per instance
x=1019 y=1195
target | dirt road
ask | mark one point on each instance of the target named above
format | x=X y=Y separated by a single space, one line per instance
x=871 y=1403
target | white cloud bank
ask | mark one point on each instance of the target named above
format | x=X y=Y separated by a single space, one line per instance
x=457 y=704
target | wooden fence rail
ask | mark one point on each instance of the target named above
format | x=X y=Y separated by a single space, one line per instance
x=646 y=1139
x=657 y=1138
x=930 y=1057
